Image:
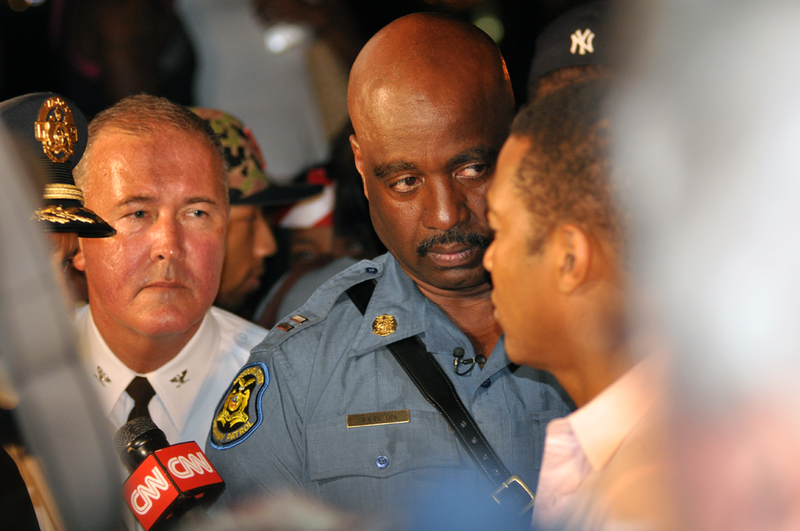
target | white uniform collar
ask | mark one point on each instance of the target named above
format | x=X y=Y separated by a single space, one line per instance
x=177 y=383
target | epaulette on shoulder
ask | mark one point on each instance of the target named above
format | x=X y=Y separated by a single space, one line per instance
x=319 y=305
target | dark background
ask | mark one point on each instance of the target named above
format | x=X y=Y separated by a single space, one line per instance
x=27 y=57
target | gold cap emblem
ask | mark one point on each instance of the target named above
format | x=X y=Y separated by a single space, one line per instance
x=56 y=130
x=384 y=325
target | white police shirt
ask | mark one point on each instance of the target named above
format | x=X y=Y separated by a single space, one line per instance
x=187 y=387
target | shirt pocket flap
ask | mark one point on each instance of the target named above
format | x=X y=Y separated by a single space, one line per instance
x=379 y=451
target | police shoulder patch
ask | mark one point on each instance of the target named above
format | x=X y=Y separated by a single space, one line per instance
x=239 y=413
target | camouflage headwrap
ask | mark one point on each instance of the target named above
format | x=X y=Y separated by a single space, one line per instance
x=248 y=182
x=246 y=175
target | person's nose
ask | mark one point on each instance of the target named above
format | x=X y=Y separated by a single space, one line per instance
x=265 y=244
x=445 y=204
x=167 y=240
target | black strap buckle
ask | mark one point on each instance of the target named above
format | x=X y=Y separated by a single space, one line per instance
x=514 y=490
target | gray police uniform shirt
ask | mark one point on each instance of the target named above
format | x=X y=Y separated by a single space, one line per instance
x=283 y=422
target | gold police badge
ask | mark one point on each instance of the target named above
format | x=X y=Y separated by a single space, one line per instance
x=384 y=325
x=239 y=413
x=56 y=130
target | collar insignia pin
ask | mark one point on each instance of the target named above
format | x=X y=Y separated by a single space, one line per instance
x=384 y=325
x=102 y=377
x=180 y=379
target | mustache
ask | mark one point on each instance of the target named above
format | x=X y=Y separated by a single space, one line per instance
x=472 y=238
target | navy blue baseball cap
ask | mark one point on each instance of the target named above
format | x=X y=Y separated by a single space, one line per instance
x=579 y=37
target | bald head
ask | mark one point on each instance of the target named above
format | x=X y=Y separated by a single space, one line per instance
x=427 y=58
x=431 y=105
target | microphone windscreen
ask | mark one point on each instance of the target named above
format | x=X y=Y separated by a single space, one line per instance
x=137 y=439
x=131 y=430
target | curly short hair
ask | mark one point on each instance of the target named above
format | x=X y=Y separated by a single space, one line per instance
x=566 y=175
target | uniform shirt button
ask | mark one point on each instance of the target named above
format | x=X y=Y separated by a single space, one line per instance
x=372 y=270
x=486 y=383
x=382 y=461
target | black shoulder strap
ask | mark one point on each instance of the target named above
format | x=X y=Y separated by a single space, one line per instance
x=437 y=389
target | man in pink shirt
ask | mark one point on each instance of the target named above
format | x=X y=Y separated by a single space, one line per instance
x=558 y=271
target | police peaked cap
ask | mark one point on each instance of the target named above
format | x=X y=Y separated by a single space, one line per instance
x=578 y=37
x=56 y=131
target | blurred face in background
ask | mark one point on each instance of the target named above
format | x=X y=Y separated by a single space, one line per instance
x=309 y=245
x=65 y=246
x=250 y=240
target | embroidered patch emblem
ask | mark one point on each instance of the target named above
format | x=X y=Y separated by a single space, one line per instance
x=384 y=325
x=239 y=412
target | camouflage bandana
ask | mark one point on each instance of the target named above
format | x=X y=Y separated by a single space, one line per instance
x=246 y=175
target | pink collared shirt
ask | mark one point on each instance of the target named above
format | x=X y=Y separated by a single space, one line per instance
x=581 y=444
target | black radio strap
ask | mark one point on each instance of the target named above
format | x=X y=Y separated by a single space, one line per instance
x=437 y=389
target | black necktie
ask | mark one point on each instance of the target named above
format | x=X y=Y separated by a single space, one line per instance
x=141 y=391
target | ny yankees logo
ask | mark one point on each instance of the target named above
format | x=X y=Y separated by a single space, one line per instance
x=582 y=42
x=180 y=379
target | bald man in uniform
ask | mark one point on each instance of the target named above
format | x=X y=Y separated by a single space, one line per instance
x=323 y=407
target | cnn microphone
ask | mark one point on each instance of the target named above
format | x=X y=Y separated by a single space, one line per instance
x=166 y=481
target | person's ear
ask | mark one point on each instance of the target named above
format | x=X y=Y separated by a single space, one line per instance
x=359 y=162
x=78 y=261
x=573 y=257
